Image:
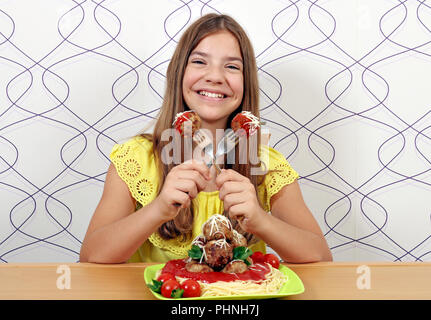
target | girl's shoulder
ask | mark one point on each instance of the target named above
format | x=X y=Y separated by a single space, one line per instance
x=136 y=145
x=273 y=159
x=277 y=173
x=135 y=164
x=143 y=141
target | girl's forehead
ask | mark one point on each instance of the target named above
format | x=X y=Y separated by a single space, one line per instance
x=222 y=40
x=217 y=36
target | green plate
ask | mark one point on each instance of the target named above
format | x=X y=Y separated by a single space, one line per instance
x=292 y=286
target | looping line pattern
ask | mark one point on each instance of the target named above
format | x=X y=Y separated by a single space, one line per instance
x=362 y=148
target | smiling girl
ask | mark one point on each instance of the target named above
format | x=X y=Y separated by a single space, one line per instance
x=151 y=211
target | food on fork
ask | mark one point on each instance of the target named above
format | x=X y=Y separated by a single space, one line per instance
x=187 y=119
x=247 y=121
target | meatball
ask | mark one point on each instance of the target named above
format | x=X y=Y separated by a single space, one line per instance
x=187 y=123
x=238 y=240
x=235 y=266
x=218 y=253
x=217 y=227
x=199 y=241
x=251 y=239
x=195 y=266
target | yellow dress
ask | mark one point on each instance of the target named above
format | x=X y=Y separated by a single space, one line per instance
x=136 y=166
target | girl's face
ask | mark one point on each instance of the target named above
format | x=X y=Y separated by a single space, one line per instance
x=213 y=79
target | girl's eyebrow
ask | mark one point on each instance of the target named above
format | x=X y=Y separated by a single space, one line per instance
x=206 y=55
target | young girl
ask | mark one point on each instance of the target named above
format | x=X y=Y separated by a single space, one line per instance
x=150 y=211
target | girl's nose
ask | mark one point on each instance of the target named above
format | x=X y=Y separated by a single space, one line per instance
x=214 y=75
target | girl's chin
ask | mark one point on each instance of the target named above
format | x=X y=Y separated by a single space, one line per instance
x=213 y=121
x=213 y=114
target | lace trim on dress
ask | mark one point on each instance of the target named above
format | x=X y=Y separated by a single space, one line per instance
x=136 y=167
x=133 y=172
x=282 y=175
x=132 y=160
x=175 y=246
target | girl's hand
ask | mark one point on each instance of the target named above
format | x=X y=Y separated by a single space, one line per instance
x=240 y=199
x=182 y=184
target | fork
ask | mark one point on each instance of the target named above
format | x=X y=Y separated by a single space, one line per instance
x=225 y=145
x=201 y=139
x=205 y=143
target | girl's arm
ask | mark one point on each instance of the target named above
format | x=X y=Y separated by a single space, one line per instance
x=114 y=234
x=290 y=229
x=116 y=231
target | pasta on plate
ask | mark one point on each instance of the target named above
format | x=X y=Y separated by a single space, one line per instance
x=222 y=265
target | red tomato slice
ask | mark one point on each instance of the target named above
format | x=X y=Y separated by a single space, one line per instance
x=168 y=286
x=272 y=260
x=191 y=288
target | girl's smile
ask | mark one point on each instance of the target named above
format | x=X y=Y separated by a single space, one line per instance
x=212 y=95
x=213 y=79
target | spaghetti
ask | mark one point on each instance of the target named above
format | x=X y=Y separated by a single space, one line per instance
x=258 y=280
x=272 y=284
x=221 y=264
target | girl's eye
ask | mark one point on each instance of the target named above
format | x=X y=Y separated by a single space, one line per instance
x=197 y=62
x=233 y=67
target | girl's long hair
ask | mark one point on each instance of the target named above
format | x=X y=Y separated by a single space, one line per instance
x=173 y=103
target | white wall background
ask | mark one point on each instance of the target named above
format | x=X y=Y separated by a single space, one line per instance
x=345 y=91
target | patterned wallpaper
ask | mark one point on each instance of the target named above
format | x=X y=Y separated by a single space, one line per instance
x=344 y=87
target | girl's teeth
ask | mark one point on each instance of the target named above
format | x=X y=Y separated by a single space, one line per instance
x=211 y=95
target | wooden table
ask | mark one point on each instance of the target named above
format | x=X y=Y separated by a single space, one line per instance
x=326 y=280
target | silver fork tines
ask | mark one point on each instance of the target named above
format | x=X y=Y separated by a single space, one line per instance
x=201 y=139
x=205 y=143
x=224 y=146
x=231 y=140
x=226 y=143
